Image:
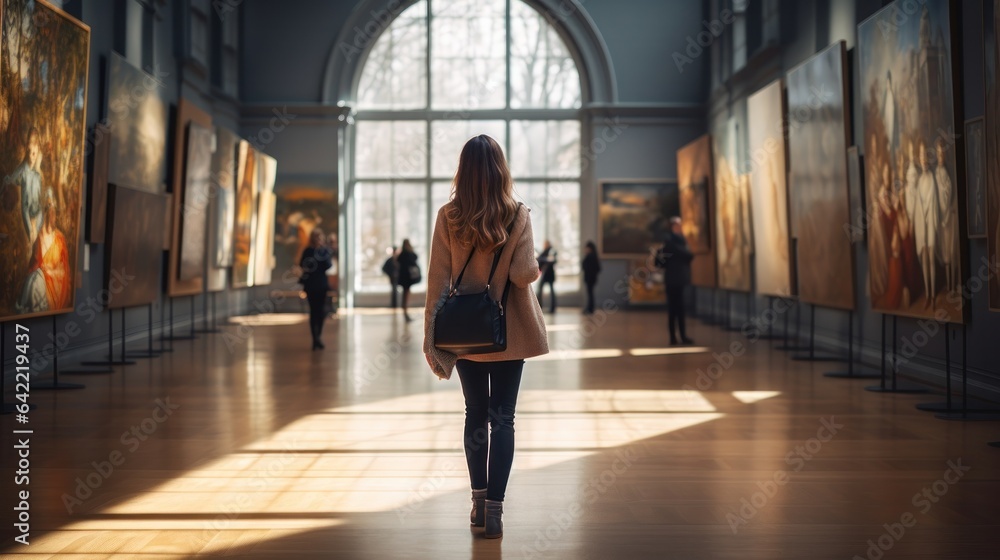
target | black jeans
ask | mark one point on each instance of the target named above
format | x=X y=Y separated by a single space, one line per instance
x=590 y=297
x=490 y=390
x=317 y=312
x=552 y=286
x=675 y=311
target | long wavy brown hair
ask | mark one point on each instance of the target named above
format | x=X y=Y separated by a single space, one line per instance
x=482 y=203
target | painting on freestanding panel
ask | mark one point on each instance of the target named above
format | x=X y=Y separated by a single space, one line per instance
x=195 y=199
x=267 y=168
x=221 y=210
x=134 y=251
x=246 y=215
x=975 y=191
x=911 y=165
x=43 y=103
x=137 y=117
x=694 y=180
x=185 y=278
x=732 y=211
x=769 y=193
x=991 y=139
x=818 y=189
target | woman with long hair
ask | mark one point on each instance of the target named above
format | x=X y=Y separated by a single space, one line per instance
x=407 y=273
x=482 y=218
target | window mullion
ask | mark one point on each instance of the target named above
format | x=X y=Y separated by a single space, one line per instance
x=507 y=55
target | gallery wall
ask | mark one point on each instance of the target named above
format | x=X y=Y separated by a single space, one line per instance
x=807 y=28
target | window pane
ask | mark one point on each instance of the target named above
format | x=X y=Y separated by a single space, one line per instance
x=373 y=234
x=440 y=195
x=391 y=149
x=542 y=73
x=448 y=138
x=395 y=73
x=468 y=54
x=410 y=221
x=545 y=149
x=564 y=232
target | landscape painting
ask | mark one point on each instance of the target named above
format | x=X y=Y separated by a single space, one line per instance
x=694 y=182
x=44 y=62
x=911 y=166
x=633 y=216
x=818 y=190
x=769 y=191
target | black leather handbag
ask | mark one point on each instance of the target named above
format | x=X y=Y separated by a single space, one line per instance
x=472 y=323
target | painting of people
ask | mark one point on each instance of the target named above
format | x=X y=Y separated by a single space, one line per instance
x=908 y=109
x=44 y=62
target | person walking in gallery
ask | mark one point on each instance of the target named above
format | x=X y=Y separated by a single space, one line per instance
x=925 y=226
x=591 y=266
x=547 y=264
x=408 y=274
x=675 y=259
x=948 y=225
x=316 y=259
x=482 y=218
x=391 y=269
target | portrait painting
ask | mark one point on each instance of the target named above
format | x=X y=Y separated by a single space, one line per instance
x=911 y=166
x=818 y=190
x=633 y=216
x=44 y=61
x=695 y=186
x=769 y=191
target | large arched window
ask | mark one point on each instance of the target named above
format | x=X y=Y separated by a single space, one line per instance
x=441 y=72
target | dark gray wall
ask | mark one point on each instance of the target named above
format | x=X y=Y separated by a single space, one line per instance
x=806 y=28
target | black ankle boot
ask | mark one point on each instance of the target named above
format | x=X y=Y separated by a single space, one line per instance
x=478 y=515
x=494 y=519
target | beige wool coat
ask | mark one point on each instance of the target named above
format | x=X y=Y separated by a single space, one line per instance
x=526 y=334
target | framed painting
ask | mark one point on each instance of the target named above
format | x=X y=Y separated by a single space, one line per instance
x=818 y=192
x=44 y=60
x=137 y=116
x=304 y=203
x=134 y=251
x=695 y=188
x=245 y=220
x=769 y=191
x=97 y=194
x=915 y=249
x=189 y=282
x=264 y=238
x=633 y=216
x=221 y=211
x=195 y=198
x=734 y=244
x=975 y=181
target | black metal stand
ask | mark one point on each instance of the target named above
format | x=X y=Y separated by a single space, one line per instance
x=792 y=346
x=164 y=347
x=55 y=384
x=149 y=352
x=111 y=353
x=770 y=326
x=812 y=356
x=851 y=373
x=728 y=327
x=191 y=336
x=965 y=413
x=207 y=329
x=881 y=387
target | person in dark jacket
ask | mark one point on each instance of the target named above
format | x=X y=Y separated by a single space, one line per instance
x=547 y=264
x=391 y=269
x=591 y=267
x=675 y=259
x=408 y=273
x=316 y=259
